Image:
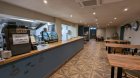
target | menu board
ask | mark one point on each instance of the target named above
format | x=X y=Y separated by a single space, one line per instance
x=20 y=39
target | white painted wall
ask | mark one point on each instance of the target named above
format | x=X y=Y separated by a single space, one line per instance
x=101 y=32
x=118 y=31
x=110 y=31
x=58 y=28
x=135 y=36
x=107 y=32
x=75 y=30
x=10 y=9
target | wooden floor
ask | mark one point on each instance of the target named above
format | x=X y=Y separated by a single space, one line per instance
x=91 y=62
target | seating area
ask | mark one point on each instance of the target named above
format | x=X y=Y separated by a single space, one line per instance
x=124 y=49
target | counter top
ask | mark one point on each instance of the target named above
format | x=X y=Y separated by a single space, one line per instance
x=33 y=52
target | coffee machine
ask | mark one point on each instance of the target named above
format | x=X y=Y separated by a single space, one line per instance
x=17 y=38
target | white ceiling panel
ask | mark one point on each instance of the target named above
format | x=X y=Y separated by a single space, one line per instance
x=105 y=12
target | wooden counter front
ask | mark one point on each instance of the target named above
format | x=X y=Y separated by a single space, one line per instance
x=50 y=46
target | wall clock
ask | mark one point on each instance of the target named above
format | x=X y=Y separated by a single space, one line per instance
x=135 y=25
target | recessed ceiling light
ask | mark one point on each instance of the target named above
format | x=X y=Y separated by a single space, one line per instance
x=115 y=18
x=111 y=22
x=80 y=21
x=108 y=24
x=45 y=1
x=71 y=15
x=126 y=9
x=94 y=13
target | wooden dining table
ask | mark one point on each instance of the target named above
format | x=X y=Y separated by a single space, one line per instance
x=123 y=61
x=123 y=46
x=116 y=41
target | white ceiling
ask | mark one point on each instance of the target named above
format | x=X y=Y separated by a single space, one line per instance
x=105 y=13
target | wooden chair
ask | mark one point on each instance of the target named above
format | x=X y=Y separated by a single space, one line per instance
x=122 y=51
x=132 y=73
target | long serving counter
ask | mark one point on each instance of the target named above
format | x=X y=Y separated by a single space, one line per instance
x=41 y=63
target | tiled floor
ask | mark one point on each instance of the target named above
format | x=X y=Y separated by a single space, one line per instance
x=91 y=62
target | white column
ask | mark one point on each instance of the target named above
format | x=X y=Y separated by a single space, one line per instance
x=76 y=26
x=58 y=28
